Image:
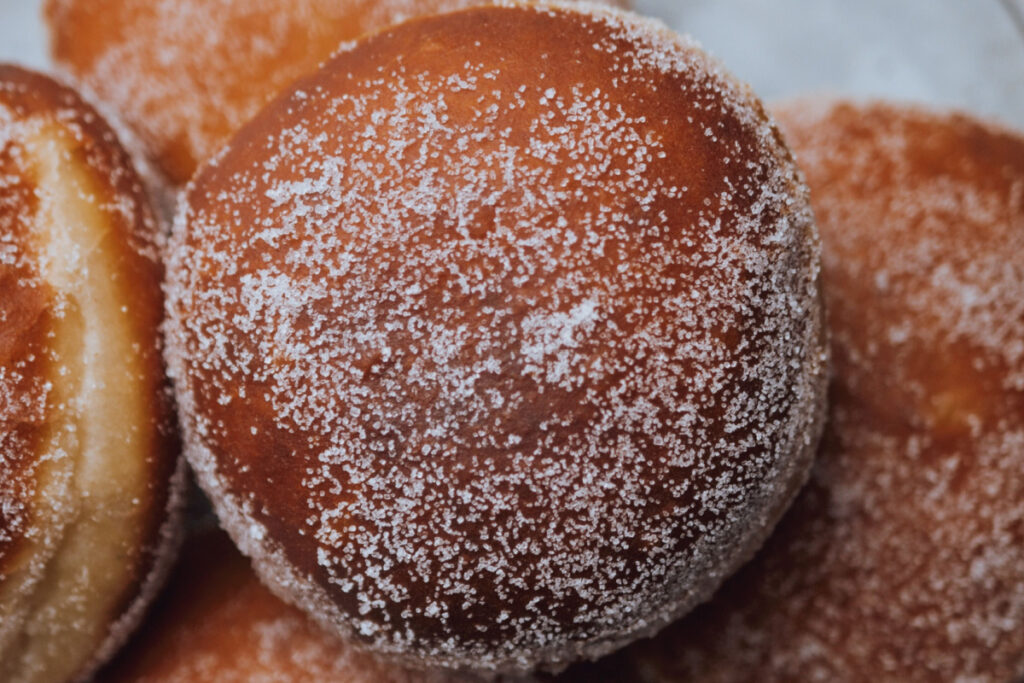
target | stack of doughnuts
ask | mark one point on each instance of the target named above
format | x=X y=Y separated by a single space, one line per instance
x=88 y=445
x=498 y=345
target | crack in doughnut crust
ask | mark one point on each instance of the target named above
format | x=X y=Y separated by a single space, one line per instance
x=87 y=439
x=498 y=340
x=903 y=558
x=186 y=74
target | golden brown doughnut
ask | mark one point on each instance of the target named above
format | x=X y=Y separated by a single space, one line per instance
x=216 y=623
x=185 y=74
x=498 y=339
x=87 y=439
x=903 y=559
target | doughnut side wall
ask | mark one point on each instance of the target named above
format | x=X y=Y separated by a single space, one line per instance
x=498 y=340
x=88 y=443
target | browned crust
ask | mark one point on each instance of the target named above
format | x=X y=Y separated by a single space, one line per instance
x=135 y=252
x=24 y=328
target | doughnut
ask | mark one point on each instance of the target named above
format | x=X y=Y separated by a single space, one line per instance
x=185 y=74
x=498 y=340
x=216 y=623
x=902 y=559
x=89 y=453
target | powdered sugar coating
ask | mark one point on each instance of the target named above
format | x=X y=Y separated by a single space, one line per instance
x=186 y=74
x=902 y=559
x=23 y=387
x=491 y=361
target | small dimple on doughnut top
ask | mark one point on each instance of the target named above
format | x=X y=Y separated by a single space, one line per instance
x=500 y=335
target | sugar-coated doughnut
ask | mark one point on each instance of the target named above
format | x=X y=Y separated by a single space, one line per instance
x=185 y=74
x=498 y=340
x=903 y=559
x=216 y=623
x=88 y=446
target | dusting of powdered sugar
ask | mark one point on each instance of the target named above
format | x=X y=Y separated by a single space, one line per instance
x=23 y=391
x=489 y=370
x=902 y=558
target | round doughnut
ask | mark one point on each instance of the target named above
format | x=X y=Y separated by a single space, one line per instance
x=216 y=623
x=902 y=559
x=185 y=74
x=498 y=340
x=88 y=445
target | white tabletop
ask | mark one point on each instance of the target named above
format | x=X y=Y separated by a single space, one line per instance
x=961 y=53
